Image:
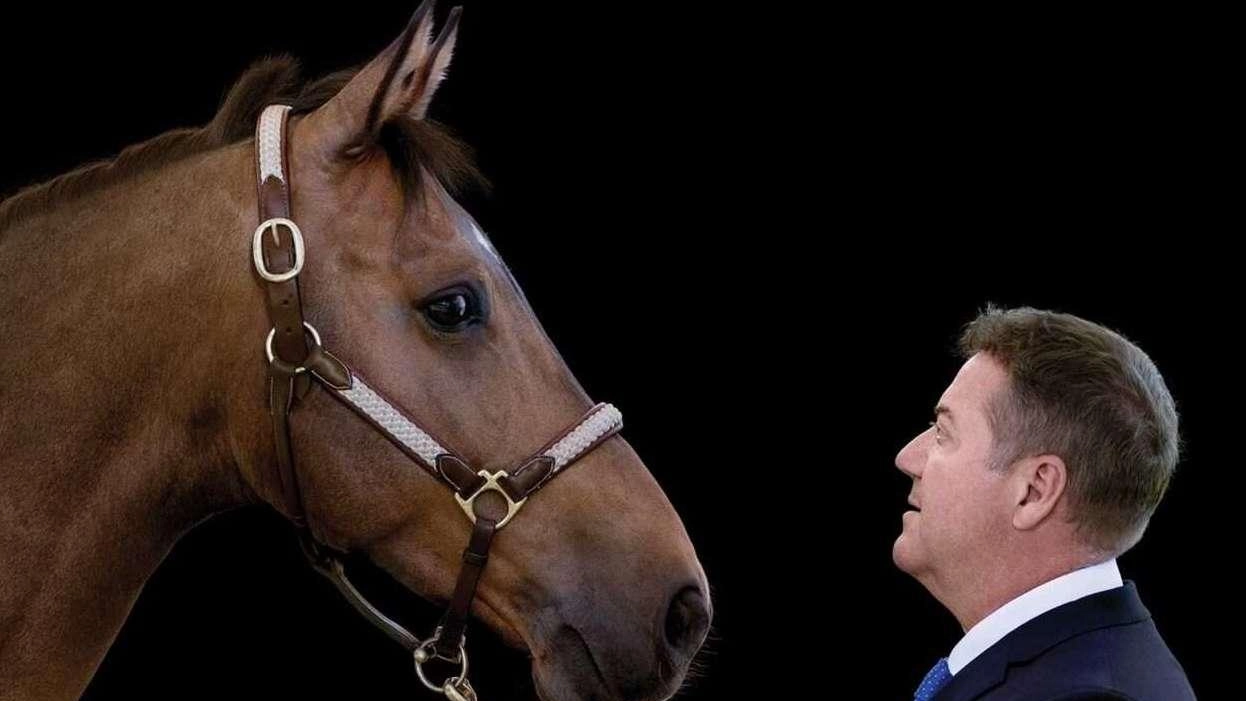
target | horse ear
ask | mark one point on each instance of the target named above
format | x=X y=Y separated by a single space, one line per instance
x=438 y=62
x=400 y=81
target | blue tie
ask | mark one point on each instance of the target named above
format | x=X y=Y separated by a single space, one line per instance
x=935 y=680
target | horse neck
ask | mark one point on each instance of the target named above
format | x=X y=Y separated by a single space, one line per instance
x=118 y=363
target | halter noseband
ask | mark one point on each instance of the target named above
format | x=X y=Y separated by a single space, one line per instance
x=293 y=363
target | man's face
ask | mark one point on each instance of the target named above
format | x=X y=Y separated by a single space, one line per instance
x=963 y=511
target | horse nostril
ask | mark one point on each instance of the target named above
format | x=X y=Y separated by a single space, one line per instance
x=687 y=621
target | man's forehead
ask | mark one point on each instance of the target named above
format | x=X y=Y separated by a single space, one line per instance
x=975 y=384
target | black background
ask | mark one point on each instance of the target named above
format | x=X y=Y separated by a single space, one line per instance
x=757 y=233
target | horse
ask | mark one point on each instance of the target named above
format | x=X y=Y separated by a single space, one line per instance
x=139 y=400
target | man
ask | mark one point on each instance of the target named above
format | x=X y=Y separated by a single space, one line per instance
x=1047 y=456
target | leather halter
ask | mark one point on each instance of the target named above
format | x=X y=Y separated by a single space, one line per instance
x=293 y=363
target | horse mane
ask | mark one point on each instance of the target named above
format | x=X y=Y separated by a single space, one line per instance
x=414 y=147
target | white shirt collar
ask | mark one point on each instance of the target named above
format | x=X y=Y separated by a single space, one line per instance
x=1032 y=604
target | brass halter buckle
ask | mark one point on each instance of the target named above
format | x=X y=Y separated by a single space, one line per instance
x=491 y=485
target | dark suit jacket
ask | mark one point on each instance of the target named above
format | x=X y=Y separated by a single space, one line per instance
x=1102 y=646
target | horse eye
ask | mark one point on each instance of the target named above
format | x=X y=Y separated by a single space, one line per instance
x=452 y=311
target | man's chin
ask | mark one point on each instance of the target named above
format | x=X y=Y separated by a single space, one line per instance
x=903 y=557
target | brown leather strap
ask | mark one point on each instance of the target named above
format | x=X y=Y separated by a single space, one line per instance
x=528 y=478
x=285 y=306
x=280 y=397
x=540 y=469
x=285 y=311
x=454 y=621
x=326 y=367
x=458 y=475
x=283 y=381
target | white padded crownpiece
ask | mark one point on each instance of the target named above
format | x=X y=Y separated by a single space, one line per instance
x=268 y=141
x=575 y=443
x=397 y=425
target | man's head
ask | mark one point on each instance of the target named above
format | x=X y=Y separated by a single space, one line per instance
x=1050 y=450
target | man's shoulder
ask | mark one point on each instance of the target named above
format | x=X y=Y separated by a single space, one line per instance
x=1127 y=661
x=1102 y=647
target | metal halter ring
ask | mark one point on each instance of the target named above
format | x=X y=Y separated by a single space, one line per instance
x=490 y=485
x=268 y=345
x=423 y=655
x=258 y=254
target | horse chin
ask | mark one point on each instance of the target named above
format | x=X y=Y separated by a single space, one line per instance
x=565 y=670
